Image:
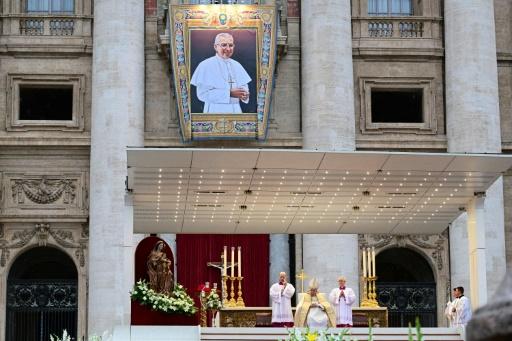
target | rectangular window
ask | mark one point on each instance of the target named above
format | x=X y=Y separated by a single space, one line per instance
x=397 y=105
x=50 y=6
x=390 y=7
x=46 y=103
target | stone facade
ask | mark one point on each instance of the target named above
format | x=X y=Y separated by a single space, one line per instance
x=45 y=166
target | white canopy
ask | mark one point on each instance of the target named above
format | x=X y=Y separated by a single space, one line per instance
x=298 y=191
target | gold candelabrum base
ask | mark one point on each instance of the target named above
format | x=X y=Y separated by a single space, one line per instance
x=369 y=292
x=232 y=301
x=225 y=302
x=240 y=300
x=203 y=312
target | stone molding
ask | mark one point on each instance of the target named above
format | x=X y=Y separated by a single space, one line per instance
x=40 y=234
x=426 y=84
x=14 y=81
x=58 y=194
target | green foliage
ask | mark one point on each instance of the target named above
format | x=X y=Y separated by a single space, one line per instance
x=296 y=334
x=178 y=303
x=419 y=335
x=67 y=337
x=213 y=301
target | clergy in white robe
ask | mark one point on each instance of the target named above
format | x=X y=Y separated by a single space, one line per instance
x=314 y=310
x=281 y=295
x=458 y=311
x=342 y=299
x=220 y=81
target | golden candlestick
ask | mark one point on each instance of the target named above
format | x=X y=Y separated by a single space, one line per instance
x=369 y=292
x=232 y=301
x=203 y=313
x=240 y=300
x=225 y=291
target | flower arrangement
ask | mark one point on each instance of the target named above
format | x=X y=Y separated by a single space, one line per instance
x=213 y=301
x=178 y=303
x=67 y=337
x=296 y=334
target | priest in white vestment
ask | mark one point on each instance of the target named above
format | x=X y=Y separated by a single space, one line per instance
x=458 y=311
x=314 y=311
x=342 y=299
x=281 y=294
x=222 y=82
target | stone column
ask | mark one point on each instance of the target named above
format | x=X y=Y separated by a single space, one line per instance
x=117 y=122
x=328 y=123
x=279 y=257
x=477 y=257
x=473 y=118
x=472 y=102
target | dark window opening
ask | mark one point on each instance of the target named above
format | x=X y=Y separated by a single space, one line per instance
x=397 y=106
x=48 y=103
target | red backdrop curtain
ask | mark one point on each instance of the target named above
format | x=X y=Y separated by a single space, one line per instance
x=193 y=251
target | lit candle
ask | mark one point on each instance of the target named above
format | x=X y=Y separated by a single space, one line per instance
x=368 y=255
x=232 y=261
x=225 y=270
x=373 y=262
x=364 y=263
x=239 y=261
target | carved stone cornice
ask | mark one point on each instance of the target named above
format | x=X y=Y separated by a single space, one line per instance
x=42 y=232
x=432 y=243
x=43 y=191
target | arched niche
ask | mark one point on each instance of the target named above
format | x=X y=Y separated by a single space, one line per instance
x=42 y=295
x=141 y=255
x=406 y=285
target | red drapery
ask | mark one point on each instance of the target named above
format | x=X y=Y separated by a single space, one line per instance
x=193 y=251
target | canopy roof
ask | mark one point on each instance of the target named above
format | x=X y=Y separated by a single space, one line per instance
x=298 y=191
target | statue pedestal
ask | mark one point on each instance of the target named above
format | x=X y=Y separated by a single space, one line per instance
x=143 y=315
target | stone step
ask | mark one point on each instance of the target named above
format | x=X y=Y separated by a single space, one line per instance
x=361 y=334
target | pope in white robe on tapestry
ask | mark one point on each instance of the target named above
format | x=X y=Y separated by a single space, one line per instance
x=281 y=294
x=342 y=298
x=221 y=82
x=458 y=311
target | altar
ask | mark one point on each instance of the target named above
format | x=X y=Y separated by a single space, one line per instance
x=261 y=316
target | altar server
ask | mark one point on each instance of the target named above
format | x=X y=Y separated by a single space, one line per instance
x=342 y=299
x=281 y=294
x=458 y=311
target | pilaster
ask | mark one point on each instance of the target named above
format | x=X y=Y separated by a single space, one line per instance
x=117 y=122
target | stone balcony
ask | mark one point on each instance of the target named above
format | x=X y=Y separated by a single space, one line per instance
x=45 y=32
x=397 y=35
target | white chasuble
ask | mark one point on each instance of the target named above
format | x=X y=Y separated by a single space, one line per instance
x=214 y=78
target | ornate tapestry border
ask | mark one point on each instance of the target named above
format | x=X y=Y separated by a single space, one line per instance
x=223 y=126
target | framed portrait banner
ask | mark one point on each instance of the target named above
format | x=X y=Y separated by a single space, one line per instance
x=223 y=60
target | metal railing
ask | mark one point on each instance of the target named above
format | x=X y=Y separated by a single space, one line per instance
x=391 y=27
x=37 y=309
x=27 y=24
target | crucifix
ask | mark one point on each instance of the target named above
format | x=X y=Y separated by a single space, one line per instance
x=219 y=266
x=302 y=276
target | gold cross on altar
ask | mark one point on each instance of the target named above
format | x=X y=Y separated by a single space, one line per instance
x=302 y=276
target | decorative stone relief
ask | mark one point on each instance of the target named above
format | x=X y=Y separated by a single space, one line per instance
x=44 y=191
x=432 y=245
x=58 y=194
x=42 y=233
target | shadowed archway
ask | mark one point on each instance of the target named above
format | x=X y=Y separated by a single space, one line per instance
x=406 y=285
x=42 y=295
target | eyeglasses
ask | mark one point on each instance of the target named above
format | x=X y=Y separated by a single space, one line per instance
x=226 y=45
